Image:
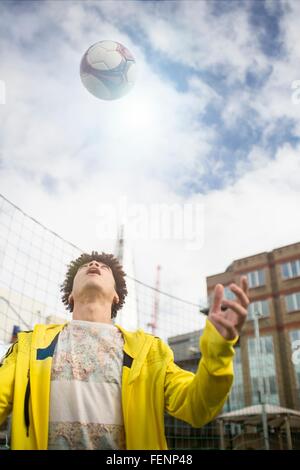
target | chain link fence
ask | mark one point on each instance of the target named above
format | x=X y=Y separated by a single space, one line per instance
x=33 y=262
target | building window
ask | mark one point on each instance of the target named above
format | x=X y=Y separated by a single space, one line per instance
x=261 y=307
x=256 y=278
x=264 y=367
x=292 y=302
x=295 y=336
x=236 y=397
x=291 y=269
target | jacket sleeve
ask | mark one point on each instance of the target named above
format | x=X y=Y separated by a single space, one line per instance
x=198 y=398
x=7 y=381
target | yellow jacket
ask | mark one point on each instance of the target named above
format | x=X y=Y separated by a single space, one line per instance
x=151 y=384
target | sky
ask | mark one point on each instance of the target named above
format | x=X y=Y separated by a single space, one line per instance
x=211 y=128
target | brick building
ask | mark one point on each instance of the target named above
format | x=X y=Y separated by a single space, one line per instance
x=274 y=282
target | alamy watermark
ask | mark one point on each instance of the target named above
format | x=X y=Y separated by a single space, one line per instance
x=178 y=222
x=2 y=92
x=296 y=94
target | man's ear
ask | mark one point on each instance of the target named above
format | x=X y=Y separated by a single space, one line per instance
x=116 y=299
x=71 y=299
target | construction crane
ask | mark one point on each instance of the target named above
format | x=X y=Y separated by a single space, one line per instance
x=154 y=320
x=119 y=252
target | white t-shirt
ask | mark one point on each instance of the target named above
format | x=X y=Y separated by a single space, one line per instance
x=85 y=393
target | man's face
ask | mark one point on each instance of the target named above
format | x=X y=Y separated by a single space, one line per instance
x=94 y=276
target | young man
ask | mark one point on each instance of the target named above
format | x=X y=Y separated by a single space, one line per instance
x=90 y=384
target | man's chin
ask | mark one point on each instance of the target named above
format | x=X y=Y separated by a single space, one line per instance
x=92 y=283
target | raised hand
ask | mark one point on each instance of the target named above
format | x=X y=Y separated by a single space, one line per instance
x=230 y=322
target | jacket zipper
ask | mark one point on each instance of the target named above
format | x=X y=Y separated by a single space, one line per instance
x=26 y=405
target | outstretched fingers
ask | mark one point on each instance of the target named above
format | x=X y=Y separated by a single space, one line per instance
x=217 y=298
x=244 y=285
x=240 y=311
x=221 y=321
x=241 y=293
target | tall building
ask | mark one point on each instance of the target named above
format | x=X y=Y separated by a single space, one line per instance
x=128 y=316
x=274 y=291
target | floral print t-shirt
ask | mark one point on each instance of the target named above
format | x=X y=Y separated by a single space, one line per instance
x=85 y=392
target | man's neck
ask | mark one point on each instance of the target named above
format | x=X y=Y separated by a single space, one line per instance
x=92 y=311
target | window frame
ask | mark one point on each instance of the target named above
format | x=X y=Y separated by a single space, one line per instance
x=262 y=314
x=293 y=296
x=289 y=269
x=255 y=276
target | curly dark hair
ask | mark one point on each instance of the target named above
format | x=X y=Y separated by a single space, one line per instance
x=115 y=266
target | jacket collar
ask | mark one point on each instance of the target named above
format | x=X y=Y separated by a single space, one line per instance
x=136 y=343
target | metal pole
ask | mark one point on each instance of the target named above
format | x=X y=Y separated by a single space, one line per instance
x=221 y=430
x=259 y=358
x=288 y=433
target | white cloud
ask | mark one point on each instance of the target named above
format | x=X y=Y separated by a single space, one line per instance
x=273 y=101
x=202 y=40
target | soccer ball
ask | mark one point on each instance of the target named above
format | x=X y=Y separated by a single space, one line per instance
x=108 y=70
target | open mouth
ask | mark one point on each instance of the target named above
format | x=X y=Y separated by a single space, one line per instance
x=93 y=271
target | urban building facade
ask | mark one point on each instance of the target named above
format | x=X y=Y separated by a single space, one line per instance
x=274 y=291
